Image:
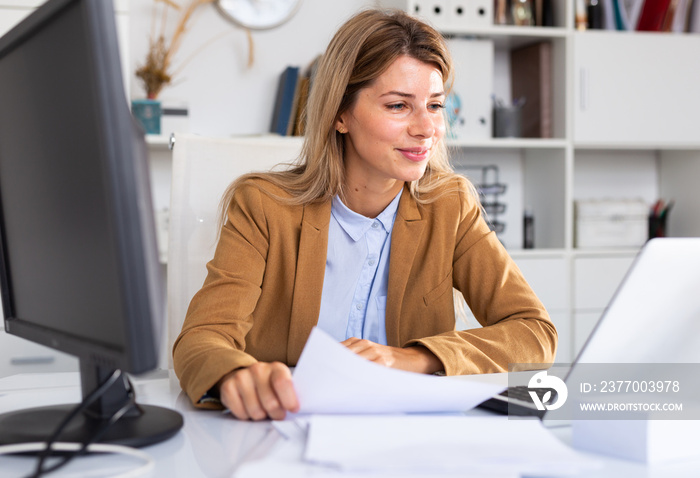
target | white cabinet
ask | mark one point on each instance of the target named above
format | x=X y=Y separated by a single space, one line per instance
x=595 y=280
x=636 y=88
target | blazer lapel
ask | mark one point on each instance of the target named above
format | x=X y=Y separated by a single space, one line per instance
x=308 y=283
x=406 y=236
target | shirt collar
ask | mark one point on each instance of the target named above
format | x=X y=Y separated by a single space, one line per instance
x=356 y=225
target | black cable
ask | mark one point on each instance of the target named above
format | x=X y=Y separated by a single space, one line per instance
x=96 y=394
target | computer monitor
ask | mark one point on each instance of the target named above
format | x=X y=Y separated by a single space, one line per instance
x=78 y=260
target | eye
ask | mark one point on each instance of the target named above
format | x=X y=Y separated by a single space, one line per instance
x=396 y=106
x=436 y=106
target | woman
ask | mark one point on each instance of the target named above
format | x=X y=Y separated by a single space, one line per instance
x=365 y=237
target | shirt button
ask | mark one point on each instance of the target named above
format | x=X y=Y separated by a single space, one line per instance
x=358 y=306
x=371 y=262
x=375 y=225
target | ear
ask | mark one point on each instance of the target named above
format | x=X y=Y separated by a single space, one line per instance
x=340 y=125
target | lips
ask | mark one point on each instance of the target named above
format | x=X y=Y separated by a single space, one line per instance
x=414 y=154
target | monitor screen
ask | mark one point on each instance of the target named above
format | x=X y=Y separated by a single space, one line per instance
x=78 y=257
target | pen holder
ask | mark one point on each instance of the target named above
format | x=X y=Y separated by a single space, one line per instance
x=148 y=114
x=657 y=226
x=507 y=121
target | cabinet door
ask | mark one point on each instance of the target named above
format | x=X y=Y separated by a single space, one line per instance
x=21 y=356
x=549 y=279
x=638 y=88
x=596 y=279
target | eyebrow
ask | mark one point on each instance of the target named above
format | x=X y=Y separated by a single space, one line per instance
x=409 y=95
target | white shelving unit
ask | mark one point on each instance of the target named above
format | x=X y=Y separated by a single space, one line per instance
x=624 y=126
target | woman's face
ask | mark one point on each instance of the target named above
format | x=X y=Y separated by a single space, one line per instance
x=393 y=126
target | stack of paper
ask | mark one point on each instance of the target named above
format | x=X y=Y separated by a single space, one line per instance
x=435 y=445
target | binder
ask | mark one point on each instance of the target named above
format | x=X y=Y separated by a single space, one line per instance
x=694 y=17
x=531 y=78
x=473 y=86
x=609 y=15
x=652 y=16
x=286 y=101
x=633 y=9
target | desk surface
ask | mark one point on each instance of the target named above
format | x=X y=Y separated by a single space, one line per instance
x=214 y=445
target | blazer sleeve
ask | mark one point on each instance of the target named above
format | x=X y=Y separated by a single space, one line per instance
x=212 y=340
x=516 y=327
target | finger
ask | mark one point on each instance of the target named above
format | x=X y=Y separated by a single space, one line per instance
x=283 y=386
x=361 y=346
x=266 y=395
x=247 y=390
x=350 y=341
x=231 y=399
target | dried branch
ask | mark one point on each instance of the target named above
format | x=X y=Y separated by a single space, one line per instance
x=155 y=73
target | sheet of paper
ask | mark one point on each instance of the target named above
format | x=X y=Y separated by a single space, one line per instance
x=329 y=378
x=445 y=444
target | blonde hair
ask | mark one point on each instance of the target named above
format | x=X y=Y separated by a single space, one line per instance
x=361 y=50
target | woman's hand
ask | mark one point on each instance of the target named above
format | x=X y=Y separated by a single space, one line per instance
x=263 y=390
x=413 y=359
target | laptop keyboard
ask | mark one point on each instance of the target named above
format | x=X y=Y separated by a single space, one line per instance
x=522 y=392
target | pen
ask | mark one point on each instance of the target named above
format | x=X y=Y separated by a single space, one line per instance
x=667 y=209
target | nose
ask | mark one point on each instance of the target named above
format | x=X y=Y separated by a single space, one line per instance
x=423 y=123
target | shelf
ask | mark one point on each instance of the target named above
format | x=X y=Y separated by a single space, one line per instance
x=155 y=141
x=508 y=143
x=508 y=36
x=606 y=252
x=540 y=253
x=638 y=146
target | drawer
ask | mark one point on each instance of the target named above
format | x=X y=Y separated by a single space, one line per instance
x=18 y=355
x=584 y=323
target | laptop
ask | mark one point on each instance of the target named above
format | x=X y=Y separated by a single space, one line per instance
x=653 y=317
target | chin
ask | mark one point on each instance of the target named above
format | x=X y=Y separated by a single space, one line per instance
x=415 y=174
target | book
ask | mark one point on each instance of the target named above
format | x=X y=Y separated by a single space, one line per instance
x=633 y=9
x=694 y=17
x=286 y=101
x=621 y=21
x=652 y=16
x=305 y=82
x=677 y=16
x=531 y=78
x=544 y=13
x=300 y=118
x=595 y=15
x=609 y=15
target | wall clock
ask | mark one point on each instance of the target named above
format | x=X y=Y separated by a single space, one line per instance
x=258 y=14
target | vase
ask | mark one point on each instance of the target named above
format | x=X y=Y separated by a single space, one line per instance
x=148 y=114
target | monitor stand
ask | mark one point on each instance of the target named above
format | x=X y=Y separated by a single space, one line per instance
x=141 y=426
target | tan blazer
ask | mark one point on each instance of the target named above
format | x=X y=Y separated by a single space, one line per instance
x=262 y=295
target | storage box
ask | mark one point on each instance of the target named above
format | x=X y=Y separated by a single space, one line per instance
x=469 y=13
x=611 y=223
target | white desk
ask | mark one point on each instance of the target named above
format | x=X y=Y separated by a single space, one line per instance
x=215 y=445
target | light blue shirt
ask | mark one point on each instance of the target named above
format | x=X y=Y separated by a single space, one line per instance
x=353 y=300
